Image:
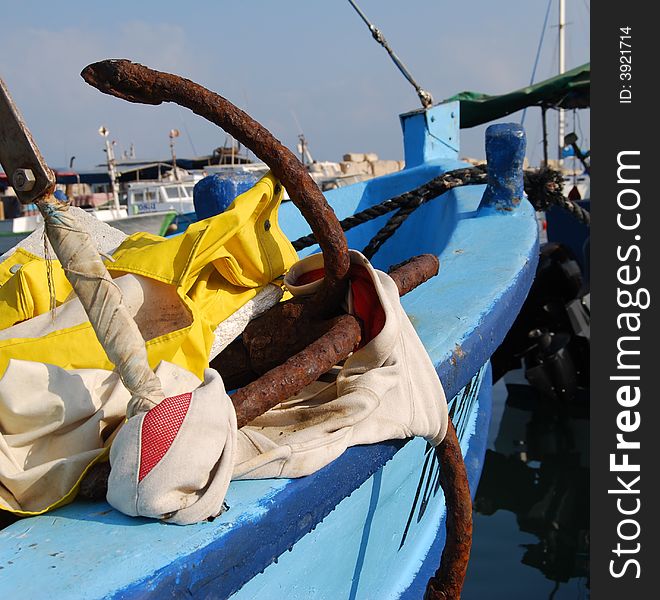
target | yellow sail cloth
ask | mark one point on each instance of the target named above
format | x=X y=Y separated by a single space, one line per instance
x=215 y=267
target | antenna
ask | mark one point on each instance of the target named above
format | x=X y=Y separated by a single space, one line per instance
x=302 y=147
x=295 y=118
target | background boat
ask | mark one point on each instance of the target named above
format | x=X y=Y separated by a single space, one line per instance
x=14 y=231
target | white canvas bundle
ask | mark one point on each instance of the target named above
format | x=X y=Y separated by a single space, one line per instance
x=54 y=423
x=175 y=461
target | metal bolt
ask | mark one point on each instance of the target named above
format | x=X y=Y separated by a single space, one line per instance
x=23 y=180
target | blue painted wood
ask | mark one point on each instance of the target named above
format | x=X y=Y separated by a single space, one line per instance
x=564 y=228
x=213 y=194
x=474 y=458
x=505 y=153
x=458 y=316
x=488 y=260
x=430 y=134
x=375 y=541
x=478 y=261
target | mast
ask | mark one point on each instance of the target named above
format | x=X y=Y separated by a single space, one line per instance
x=305 y=155
x=112 y=171
x=174 y=133
x=562 y=69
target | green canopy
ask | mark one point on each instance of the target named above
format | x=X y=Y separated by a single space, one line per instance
x=568 y=90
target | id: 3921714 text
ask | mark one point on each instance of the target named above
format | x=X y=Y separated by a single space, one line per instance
x=625 y=65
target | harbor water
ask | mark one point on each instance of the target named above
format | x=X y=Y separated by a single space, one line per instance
x=531 y=511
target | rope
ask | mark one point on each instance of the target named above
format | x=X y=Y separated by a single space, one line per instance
x=50 y=280
x=101 y=298
x=428 y=191
x=538 y=54
x=544 y=188
x=393 y=223
x=576 y=210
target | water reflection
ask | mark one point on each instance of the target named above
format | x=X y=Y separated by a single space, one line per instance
x=536 y=467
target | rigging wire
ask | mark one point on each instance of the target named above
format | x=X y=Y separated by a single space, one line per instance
x=185 y=129
x=425 y=97
x=538 y=53
x=574 y=157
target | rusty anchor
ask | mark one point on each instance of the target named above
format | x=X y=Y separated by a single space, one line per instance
x=287 y=373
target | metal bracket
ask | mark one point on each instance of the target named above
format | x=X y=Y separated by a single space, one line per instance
x=24 y=165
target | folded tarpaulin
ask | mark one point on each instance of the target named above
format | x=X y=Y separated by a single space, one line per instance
x=387 y=389
x=179 y=289
x=568 y=90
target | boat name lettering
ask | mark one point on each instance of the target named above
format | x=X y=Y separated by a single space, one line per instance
x=146 y=206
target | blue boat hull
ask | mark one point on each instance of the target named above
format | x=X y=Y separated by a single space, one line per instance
x=344 y=525
x=385 y=539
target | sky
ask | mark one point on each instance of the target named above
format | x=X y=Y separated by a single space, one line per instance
x=294 y=65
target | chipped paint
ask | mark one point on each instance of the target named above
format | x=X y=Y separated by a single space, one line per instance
x=505 y=153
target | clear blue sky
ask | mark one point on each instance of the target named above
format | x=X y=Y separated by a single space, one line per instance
x=313 y=58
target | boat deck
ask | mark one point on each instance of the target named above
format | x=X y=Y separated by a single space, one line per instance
x=487 y=263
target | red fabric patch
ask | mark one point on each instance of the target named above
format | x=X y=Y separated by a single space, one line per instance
x=159 y=428
x=366 y=304
x=310 y=276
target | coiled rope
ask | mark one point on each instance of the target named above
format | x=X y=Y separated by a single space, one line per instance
x=544 y=188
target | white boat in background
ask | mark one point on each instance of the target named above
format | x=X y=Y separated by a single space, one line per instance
x=162 y=196
x=13 y=231
x=149 y=206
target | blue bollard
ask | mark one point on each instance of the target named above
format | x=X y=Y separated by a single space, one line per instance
x=213 y=194
x=505 y=153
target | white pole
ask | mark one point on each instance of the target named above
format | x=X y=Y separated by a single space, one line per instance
x=173 y=153
x=562 y=69
x=112 y=172
x=174 y=133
